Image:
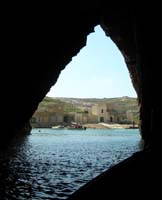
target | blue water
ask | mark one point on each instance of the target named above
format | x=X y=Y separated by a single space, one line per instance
x=52 y=164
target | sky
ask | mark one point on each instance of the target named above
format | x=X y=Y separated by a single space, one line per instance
x=97 y=71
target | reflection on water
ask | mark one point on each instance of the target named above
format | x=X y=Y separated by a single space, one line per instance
x=51 y=164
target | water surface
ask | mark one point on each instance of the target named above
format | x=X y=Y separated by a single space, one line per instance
x=52 y=164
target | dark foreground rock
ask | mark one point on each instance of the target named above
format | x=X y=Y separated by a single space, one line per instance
x=135 y=178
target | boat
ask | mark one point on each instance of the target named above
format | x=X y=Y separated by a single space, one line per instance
x=58 y=127
x=71 y=126
x=76 y=126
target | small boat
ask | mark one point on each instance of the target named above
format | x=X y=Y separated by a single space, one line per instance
x=76 y=126
x=72 y=126
x=58 y=127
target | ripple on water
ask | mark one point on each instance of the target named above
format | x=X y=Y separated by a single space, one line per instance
x=52 y=165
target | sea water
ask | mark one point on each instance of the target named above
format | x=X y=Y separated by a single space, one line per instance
x=52 y=164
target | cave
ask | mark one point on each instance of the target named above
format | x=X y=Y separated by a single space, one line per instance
x=38 y=42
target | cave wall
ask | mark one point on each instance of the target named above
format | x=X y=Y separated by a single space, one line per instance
x=38 y=42
x=37 y=46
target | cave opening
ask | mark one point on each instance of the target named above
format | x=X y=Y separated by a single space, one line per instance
x=54 y=162
x=39 y=48
x=77 y=161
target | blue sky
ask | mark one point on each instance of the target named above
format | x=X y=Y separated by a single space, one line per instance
x=97 y=71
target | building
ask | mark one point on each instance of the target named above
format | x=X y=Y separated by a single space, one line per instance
x=101 y=111
x=97 y=113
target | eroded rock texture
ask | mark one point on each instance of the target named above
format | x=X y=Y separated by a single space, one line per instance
x=38 y=42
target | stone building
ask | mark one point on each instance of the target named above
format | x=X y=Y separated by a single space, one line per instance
x=82 y=118
x=44 y=117
x=106 y=113
x=101 y=111
x=133 y=116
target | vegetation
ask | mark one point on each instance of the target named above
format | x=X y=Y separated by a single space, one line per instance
x=117 y=106
x=50 y=102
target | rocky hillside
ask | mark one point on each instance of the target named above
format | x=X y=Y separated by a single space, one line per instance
x=117 y=105
x=50 y=102
x=120 y=104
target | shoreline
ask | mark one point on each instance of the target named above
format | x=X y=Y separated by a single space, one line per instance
x=110 y=126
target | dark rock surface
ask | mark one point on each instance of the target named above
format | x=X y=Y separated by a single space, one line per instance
x=38 y=42
x=128 y=180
